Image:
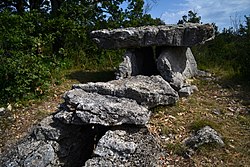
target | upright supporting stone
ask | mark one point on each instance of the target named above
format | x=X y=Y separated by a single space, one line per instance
x=139 y=61
x=176 y=64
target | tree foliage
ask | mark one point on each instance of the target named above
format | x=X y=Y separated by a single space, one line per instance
x=230 y=50
x=192 y=17
x=39 y=38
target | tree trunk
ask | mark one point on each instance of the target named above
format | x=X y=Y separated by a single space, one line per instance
x=35 y=4
x=55 y=5
x=20 y=6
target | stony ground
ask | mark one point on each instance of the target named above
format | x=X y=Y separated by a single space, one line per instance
x=223 y=105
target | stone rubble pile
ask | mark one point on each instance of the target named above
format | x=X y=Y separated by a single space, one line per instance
x=105 y=124
x=111 y=115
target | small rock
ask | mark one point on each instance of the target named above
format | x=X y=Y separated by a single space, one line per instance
x=2 y=111
x=204 y=136
x=216 y=111
x=203 y=73
x=187 y=91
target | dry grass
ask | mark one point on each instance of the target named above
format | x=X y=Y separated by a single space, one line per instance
x=221 y=108
x=225 y=108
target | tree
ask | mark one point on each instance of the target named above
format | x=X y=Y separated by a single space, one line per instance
x=14 y=5
x=245 y=30
x=149 y=5
x=190 y=18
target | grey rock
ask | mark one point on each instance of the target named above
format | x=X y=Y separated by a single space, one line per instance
x=112 y=144
x=100 y=162
x=127 y=147
x=187 y=90
x=128 y=66
x=164 y=35
x=46 y=131
x=30 y=153
x=148 y=91
x=2 y=111
x=205 y=135
x=138 y=61
x=93 y=108
x=41 y=157
x=51 y=143
x=201 y=73
x=176 y=64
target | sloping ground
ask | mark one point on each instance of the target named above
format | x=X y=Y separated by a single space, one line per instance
x=224 y=109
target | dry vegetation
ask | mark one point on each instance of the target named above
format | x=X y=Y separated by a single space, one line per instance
x=224 y=107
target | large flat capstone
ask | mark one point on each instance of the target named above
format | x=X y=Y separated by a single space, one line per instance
x=147 y=91
x=165 y=35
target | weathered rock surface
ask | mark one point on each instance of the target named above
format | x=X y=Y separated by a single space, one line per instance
x=91 y=108
x=127 y=147
x=128 y=67
x=203 y=136
x=139 y=61
x=165 y=35
x=176 y=64
x=147 y=91
x=187 y=90
x=51 y=143
x=2 y=111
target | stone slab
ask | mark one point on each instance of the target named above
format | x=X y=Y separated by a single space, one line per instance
x=147 y=91
x=82 y=107
x=165 y=35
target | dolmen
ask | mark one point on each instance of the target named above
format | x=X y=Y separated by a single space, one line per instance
x=157 y=50
x=105 y=123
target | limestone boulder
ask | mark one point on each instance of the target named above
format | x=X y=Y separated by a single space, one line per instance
x=164 y=35
x=127 y=147
x=176 y=64
x=82 y=107
x=147 y=91
x=206 y=135
x=128 y=67
x=51 y=143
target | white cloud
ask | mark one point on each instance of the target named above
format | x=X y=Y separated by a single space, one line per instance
x=218 y=11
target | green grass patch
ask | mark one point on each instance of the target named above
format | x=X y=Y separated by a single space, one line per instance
x=176 y=148
x=199 y=124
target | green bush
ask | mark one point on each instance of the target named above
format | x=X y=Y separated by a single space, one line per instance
x=36 y=44
x=229 y=51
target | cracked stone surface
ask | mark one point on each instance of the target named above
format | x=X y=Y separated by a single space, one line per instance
x=203 y=136
x=147 y=91
x=165 y=35
x=127 y=147
x=82 y=107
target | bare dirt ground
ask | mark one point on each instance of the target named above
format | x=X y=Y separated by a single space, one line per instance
x=224 y=107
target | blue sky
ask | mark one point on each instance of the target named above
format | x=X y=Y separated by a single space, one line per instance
x=222 y=12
